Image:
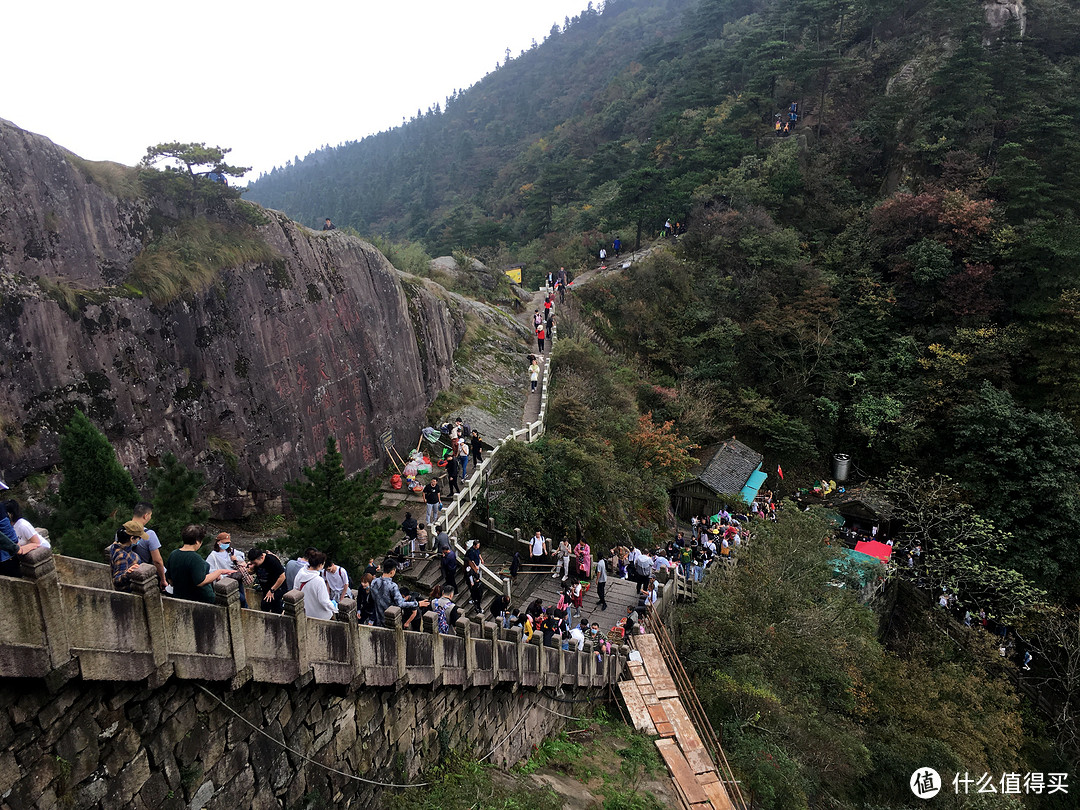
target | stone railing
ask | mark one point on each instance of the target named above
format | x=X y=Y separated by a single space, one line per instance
x=63 y=620
x=456 y=515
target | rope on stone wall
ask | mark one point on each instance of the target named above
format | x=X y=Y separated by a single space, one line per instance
x=281 y=744
x=568 y=700
x=309 y=759
x=504 y=739
x=560 y=714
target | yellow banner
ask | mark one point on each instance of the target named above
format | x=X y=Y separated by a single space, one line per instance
x=514 y=274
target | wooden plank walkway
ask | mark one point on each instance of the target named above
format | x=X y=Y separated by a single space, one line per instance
x=663 y=683
x=654 y=702
x=620 y=595
x=635 y=705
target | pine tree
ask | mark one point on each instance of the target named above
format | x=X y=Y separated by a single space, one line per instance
x=174 y=489
x=336 y=514
x=94 y=490
x=94 y=483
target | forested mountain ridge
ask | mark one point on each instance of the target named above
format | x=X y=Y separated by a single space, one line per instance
x=896 y=279
x=449 y=176
x=554 y=140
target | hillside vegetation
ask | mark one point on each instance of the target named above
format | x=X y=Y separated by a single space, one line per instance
x=896 y=279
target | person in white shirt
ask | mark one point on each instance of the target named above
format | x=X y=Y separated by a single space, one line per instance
x=24 y=529
x=577 y=633
x=226 y=557
x=337 y=580
x=309 y=581
x=537 y=546
x=651 y=594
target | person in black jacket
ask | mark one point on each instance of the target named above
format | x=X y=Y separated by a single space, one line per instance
x=449 y=565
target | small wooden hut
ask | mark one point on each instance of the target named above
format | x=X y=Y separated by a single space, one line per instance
x=733 y=470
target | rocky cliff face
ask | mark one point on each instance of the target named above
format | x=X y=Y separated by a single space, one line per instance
x=245 y=380
x=1000 y=12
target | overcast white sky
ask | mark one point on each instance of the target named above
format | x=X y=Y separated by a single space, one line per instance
x=269 y=79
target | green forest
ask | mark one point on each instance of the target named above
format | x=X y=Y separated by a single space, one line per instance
x=895 y=278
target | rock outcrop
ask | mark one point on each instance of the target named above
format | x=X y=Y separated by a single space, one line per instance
x=1000 y=12
x=245 y=380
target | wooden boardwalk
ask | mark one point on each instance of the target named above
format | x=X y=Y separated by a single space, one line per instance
x=656 y=708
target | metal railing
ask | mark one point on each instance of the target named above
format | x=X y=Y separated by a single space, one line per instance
x=697 y=713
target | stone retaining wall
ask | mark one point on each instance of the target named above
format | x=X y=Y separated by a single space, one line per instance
x=105 y=745
x=102 y=702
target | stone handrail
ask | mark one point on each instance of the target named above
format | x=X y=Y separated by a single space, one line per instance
x=54 y=625
x=458 y=512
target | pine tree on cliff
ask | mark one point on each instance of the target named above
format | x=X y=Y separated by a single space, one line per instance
x=174 y=489
x=94 y=491
x=336 y=514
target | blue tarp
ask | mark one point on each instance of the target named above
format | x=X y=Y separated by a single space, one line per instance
x=856 y=564
x=835 y=517
x=750 y=491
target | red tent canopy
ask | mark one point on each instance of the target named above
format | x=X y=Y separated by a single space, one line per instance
x=875 y=549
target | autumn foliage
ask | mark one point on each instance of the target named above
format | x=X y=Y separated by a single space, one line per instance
x=660 y=447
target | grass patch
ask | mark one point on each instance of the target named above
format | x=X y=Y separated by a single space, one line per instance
x=449 y=401
x=462 y=783
x=190 y=258
x=251 y=213
x=118 y=180
x=612 y=759
x=409 y=257
x=557 y=753
x=225 y=449
x=69 y=295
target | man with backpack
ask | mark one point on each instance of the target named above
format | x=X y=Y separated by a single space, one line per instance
x=446 y=612
x=643 y=565
x=473 y=561
x=385 y=592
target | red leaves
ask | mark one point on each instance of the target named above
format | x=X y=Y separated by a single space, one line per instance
x=950 y=216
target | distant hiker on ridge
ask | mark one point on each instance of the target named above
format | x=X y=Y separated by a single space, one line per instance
x=328 y=226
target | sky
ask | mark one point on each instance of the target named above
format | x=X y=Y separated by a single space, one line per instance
x=270 y=80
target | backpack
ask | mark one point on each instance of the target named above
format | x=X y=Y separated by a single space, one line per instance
x=440 y=614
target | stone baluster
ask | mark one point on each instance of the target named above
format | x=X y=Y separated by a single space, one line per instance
x=517 y=636
x=144 y=583
x=394 y=620
x=346 y=613
x=227 y=595
x=541 y=658
x=557 y=640
x=430 y=622
x=465 y=630
x=491 y=631
x=39 y=567
x=294 y=607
